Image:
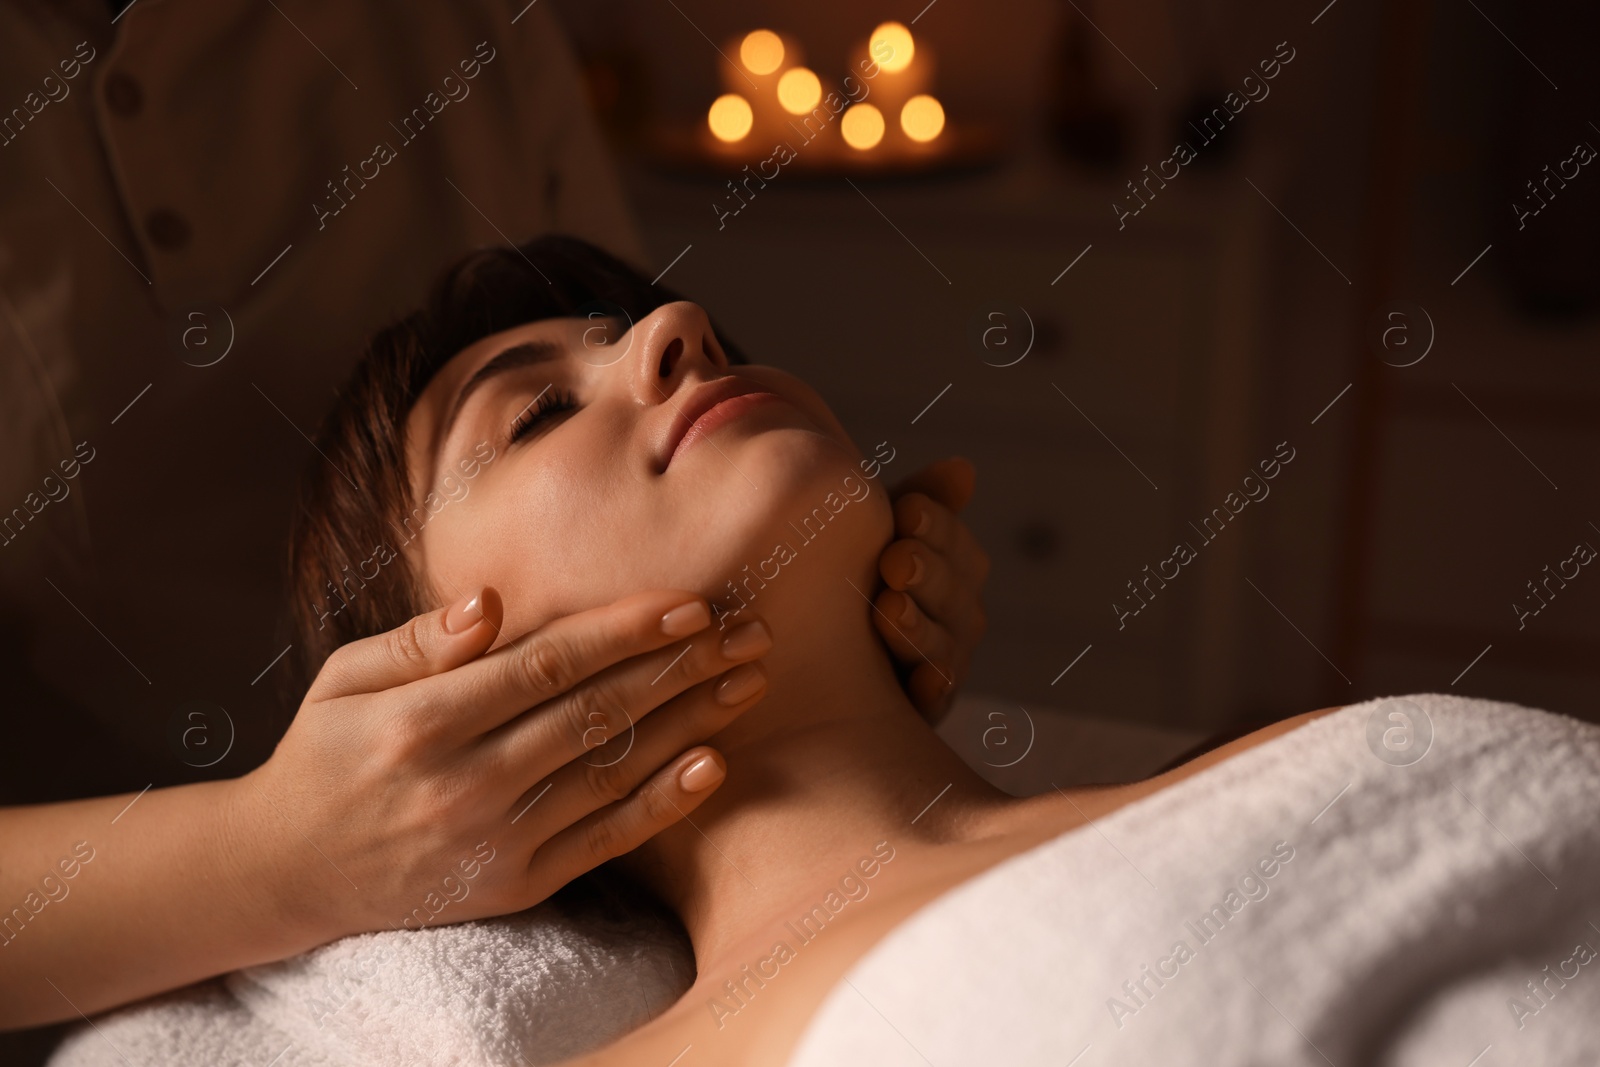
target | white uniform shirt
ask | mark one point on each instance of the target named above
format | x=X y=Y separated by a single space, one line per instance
x=202 y=178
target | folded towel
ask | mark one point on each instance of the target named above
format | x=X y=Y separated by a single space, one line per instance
x=539 y=987
x=1411 y=881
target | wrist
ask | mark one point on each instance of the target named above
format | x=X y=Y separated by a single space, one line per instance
x=268 y=864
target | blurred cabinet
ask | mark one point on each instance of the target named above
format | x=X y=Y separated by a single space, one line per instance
x=1483 y=488
x=1473 y=470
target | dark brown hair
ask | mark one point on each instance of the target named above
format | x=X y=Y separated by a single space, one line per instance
x=348 y=578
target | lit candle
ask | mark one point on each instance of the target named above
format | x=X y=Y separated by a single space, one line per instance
x=761 y=52
x=799 y=90
x=922 y=118
x=730 y=118
x=759 y=63
x=892 y=46
x=766 y=89
x=896 y=69
x=862 y=127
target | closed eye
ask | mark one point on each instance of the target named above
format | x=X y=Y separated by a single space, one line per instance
x=545 y=407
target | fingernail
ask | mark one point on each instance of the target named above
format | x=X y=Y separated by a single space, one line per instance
x=751 y=639
x=701 y=775
x=908 y=610
x=686 y=619
x=917 y=568
x=739 y=684
x=464 y=614
x=924 y=520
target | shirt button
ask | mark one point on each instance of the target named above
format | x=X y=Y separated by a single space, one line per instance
x=168 y=230
x=123 y=95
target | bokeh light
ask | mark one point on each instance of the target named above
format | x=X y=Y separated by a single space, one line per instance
x=761 y=51
x=900 y=47
x=922 y=118
x=862 y=126
x=730 y=117
x=799 y=90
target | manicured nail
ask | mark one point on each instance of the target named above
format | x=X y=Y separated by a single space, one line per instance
x=701 y=775
x=908 y=610
x=686 y=619
x=917 y=567
x=751 y=639
x=739 y=684
x=464 y=614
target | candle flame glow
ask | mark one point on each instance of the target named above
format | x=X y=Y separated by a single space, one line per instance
x=799 y=90
x=892 y=47
x=730 y=117
x=922 y=118
x=862 y=126
x=761 y=51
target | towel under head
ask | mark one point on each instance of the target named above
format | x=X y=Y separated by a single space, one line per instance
x=569 y=975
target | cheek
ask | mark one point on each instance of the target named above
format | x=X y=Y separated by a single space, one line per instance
x=564 y=536
x=543 y=526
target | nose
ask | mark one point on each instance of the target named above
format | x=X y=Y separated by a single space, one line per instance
x=674 y=341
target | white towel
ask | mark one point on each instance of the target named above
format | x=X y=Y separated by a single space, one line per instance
x=535 y=988
x=1416 y=913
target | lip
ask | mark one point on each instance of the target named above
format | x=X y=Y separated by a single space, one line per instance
x=706 y=408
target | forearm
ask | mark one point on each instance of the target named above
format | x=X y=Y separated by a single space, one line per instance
x=110 y=900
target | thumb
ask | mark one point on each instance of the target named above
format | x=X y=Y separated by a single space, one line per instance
x=948 y=481
x=428 y=644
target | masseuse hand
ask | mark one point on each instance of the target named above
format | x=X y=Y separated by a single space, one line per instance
x=931 y=615
x=413 y=747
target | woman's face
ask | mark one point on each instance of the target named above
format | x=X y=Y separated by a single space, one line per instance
x=570 y=462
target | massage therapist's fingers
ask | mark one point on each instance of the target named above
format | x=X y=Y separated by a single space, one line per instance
x=911 y=635
x=555 y=658
x=429 y=644
x=912 y=566
x=938 y=661
x=662 y=800
x=601 y=710
x=949 y=599
x=926 y=520
x=935 y=573
x=390 y=780
x=612 y=771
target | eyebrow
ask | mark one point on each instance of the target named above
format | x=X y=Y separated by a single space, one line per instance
x=526 y=354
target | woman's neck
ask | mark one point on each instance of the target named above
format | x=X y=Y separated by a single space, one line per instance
x=834 y=760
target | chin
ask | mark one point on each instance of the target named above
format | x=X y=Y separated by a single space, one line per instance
x=815 y=514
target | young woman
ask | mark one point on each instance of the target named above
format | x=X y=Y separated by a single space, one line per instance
x=395 y=759
x=637 y=454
